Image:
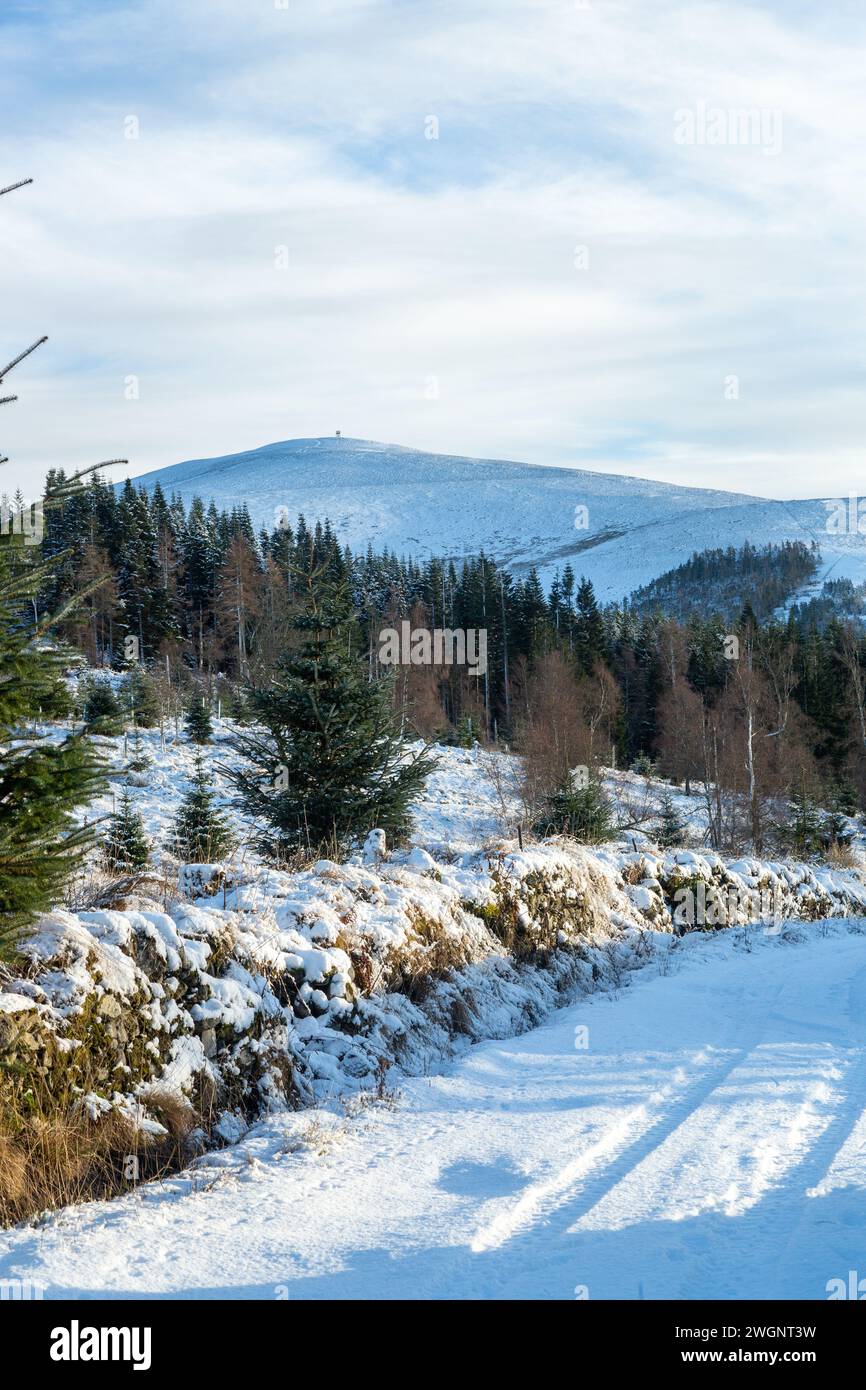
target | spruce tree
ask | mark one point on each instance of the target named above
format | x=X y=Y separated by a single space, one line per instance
x=532 y=615
x=467 y=732
x=126 y=848
x=583 y=812
x=838 y=829
x=140 y=698
x=140 y=579
x=844 y=798
x=200 y=833
x=330 y=765
x=842 y=817
x=197 y=720
x=589 y=638
x=138 y=762
x=671 y=828
x=804 y=830
x=102 y=711
x=238 y=705
x=42 y=782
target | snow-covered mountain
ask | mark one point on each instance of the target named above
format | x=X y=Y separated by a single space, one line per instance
x=521 y=514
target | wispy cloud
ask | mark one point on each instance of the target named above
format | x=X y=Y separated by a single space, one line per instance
x=472 y=227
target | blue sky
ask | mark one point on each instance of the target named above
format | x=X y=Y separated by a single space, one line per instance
x=558 y=276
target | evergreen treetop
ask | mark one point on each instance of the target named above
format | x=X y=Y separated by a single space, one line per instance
x=330 y=765
x=582 y=811
x=126 y=847
x=201 y=833
x=42 y=782
x=671 y=828
x=197 y=719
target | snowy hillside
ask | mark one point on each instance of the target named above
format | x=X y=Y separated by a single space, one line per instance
x=673 y=1116
x=471 y=799
x=423 y=504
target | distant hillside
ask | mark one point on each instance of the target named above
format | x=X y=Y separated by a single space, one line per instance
x=723 y=581
x=837 y=598
x=423 y=504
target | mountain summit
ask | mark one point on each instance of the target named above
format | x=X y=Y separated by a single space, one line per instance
x=621 y=531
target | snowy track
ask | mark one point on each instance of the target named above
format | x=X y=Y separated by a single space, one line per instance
x=709 y=1142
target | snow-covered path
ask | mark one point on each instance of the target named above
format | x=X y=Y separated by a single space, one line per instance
x=708 y=1142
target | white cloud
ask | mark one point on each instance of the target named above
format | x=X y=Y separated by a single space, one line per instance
x=410 y=258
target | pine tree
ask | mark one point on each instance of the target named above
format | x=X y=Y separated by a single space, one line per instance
x=126 y=848
x=42 y=783
x=197 y=720
x=141 y=699
x=589 y=636
x=201 y=835
x=804 y=831
x=837 y=828
x=466 y=735
x=102 y=712
x=532 y=615
x=331 y=765
x=838 y=823
x=138 y=762
x=146 y=602
x=583 y=812
x=844 y=799
x=671 y=828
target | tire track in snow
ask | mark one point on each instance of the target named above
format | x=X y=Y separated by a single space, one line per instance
x=799 y=1199
x=641 y=1129
x=809 y=1097
x=681 y=1163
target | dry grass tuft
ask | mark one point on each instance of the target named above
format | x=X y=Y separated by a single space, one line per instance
x=842 y=857
x=59 y=1156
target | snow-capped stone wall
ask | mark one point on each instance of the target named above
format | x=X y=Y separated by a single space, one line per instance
x=279 y=989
